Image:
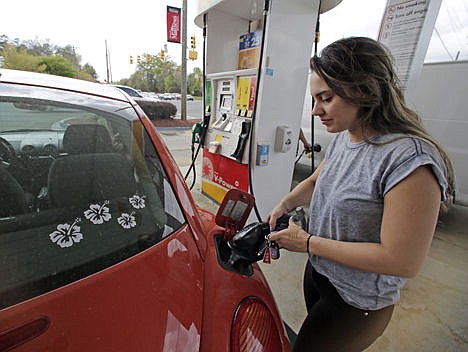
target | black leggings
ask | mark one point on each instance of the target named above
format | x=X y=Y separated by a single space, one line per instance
x=332 y=324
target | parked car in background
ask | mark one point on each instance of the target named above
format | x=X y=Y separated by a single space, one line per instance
x=173 y=96
x=130 y=91
x=102 y=246
x=169 y=96
x=154 y=108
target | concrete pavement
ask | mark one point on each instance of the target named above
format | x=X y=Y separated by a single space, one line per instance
x=432 y=314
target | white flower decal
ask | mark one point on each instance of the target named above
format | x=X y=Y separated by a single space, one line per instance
x=137 y=202
x=66 y=235
x=127 y=221
x=98 y=214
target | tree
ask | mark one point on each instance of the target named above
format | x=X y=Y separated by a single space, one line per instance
x=87 y=68
x=3 y=41
x=42 y=56
x=194 y=82
x=19 y=59
x=57 y=65
x=37 y=48
x=68 y=52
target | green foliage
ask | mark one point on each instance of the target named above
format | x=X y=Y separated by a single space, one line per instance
x=173 y=81
x=37 y=56
x=19 y=59
x=90 y=71
x=57 y=65
x=194 y=82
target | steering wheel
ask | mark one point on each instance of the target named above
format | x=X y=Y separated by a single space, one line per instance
x=7 y=152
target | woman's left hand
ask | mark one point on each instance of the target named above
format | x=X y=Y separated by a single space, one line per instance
x=294 y=238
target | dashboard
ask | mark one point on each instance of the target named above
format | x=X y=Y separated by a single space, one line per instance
x=35 y=143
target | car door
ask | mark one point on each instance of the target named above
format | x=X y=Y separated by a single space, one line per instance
x=133 y=305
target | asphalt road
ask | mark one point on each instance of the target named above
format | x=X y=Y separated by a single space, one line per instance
x=194 y=108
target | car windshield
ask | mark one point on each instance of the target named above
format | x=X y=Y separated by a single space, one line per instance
x=81 y=188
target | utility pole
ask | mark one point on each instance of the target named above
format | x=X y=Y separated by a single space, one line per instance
x=107 y=63
x=183 y=93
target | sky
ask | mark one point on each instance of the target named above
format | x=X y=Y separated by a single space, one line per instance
x=139 y=26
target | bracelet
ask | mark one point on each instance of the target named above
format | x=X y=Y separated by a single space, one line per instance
x=308 y=240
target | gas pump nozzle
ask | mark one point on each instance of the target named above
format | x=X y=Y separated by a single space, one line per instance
x=199 y=130
x=204 y=127
x=249 y=244
x=196 y=129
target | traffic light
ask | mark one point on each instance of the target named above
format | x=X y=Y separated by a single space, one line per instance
x=192 y=41
x=148 y=58
x=138 y=59
x=162 y=54
x=131 y=60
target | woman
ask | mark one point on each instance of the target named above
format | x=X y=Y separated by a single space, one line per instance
x=374 y=200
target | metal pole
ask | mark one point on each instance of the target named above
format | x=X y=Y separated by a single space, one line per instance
x=107 y=62
x=183 y=93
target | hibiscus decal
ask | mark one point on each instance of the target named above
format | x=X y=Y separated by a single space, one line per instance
x=127 y=221
x=67 y=235
x=98 y=214
x=137 y=202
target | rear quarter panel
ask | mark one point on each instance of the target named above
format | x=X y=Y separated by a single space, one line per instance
x=224 y=291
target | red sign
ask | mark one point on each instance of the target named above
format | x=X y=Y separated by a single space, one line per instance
x=253 y=86
x=173 y=24
x=220 y=174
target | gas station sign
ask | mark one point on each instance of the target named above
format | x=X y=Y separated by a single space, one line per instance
x=220 y=174
x=406 y=29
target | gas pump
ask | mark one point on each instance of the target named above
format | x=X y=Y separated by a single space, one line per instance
x=225 y=157
x=257 y=62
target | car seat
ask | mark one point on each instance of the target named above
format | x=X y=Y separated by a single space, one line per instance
x=81 y=174
x=87 y=138
x=87 y=178
x=13 y=199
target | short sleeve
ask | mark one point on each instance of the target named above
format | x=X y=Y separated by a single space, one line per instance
x=422 y=154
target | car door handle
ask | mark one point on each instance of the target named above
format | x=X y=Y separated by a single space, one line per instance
x=25 y=332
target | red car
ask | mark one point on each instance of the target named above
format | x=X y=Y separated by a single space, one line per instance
x=102 y=247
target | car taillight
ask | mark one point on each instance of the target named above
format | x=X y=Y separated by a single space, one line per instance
x=254 y=329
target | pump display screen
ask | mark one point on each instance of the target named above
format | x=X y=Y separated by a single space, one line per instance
x=226 y=101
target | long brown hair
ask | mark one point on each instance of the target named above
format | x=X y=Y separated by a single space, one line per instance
x=361 y=71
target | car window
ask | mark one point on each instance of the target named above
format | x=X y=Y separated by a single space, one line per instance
x=81 y=188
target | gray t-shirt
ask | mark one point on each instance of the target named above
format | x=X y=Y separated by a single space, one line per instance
x=347 y=205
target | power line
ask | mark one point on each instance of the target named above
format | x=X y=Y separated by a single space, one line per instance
x=443 y=44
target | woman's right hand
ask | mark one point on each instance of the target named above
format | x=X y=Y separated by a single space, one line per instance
x=279 y=210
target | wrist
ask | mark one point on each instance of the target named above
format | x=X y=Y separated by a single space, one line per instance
x=285 y=206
